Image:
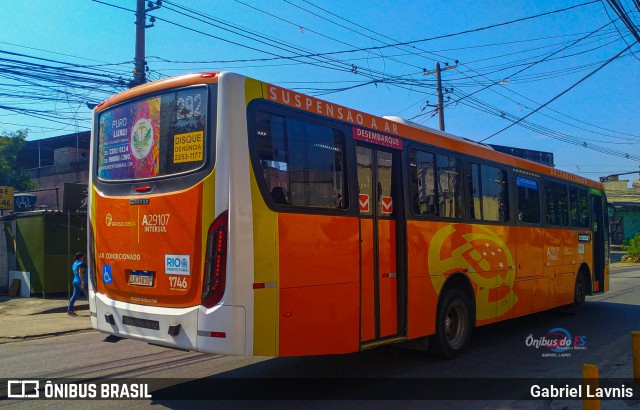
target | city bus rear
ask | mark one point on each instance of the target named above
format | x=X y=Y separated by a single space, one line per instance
x=157 y=238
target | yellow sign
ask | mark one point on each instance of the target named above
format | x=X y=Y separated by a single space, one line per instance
x=6 y=197
x=188 y=147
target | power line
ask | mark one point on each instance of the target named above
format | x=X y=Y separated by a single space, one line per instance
x=619 y=33
x=619 y=10
x=374 y=76
x=547 y=57
x=368 y=29
x=561 y=94
x=405 y=43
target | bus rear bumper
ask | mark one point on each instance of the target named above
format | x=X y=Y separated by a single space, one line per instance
x=222 y=333
x=222 y=330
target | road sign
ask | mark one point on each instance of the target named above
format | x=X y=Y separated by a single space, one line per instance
x=6 y=197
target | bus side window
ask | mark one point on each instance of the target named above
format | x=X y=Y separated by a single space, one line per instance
x=528 y=200
x=489 y=191
x=578 y=208
x=436 y=184
x=556 y=203
x=301 y=162
x=423 y=187
x=279 y=196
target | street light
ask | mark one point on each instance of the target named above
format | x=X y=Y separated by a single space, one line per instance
x=636 y=183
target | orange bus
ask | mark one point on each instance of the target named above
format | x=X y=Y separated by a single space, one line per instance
x=233 y=216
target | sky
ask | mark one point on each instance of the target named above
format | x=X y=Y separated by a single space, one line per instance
x=57 y=56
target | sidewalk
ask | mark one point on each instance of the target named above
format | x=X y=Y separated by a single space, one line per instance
x=33 y=318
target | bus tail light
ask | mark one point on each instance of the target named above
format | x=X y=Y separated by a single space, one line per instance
x=216 y=261
x=94 y=263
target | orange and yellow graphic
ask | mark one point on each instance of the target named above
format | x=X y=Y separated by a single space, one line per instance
x=486 y=259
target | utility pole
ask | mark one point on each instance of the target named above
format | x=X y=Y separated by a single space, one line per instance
x=440 y=105
x=139 y=72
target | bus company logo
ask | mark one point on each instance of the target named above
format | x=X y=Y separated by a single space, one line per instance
x=110 y=222
x=142 y=138
x=558 y=342
x=485 y=258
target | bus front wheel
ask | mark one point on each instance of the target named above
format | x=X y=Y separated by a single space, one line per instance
x=453 y=324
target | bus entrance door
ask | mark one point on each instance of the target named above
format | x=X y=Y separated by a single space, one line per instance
x=599 y=243
x=379 y=208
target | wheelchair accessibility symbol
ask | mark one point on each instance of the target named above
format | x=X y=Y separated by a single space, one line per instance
x=106 y=275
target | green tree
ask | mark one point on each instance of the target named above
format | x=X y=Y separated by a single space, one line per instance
x=10 y=174
x=632 y=248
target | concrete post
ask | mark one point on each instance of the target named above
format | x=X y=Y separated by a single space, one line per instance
x=590 y=378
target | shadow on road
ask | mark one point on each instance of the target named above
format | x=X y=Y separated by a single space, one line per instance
x=498 y=353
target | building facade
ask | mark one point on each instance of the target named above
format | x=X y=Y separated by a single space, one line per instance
x=625 y=198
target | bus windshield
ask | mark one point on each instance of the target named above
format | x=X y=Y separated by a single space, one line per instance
x=155 y=136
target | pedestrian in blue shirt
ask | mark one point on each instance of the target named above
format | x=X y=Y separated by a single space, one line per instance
x=79 y=281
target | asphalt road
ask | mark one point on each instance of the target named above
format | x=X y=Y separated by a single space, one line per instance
x=497 y=351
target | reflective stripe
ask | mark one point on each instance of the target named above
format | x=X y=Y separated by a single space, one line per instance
x=263 y=285
x=212 y=334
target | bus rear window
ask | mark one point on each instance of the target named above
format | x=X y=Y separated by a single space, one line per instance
x=159 y=135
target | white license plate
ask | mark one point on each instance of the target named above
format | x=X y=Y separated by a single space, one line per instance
x=141 y=278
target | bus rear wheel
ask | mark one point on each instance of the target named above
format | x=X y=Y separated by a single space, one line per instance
x=453 y=324
x=579 y=293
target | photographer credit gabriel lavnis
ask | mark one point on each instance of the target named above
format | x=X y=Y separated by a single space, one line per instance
x=579 y=391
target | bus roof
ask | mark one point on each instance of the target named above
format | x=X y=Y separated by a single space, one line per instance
x=159 y=85
x=400 y=127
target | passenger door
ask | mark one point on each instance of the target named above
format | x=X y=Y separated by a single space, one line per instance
x=380 y=219
x=600 y=242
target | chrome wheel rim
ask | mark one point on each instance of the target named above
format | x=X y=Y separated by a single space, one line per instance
x=456 y=324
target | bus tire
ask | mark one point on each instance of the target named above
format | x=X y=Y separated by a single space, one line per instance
x=579 y=293
x=453 y=324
